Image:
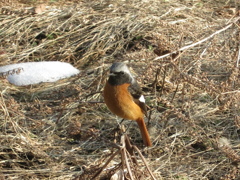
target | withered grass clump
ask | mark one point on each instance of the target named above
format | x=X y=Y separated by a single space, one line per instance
x=184 y=54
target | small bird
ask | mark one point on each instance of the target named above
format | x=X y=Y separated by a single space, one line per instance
x=123 y=96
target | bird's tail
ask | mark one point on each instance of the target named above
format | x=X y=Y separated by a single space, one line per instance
x=144 y=132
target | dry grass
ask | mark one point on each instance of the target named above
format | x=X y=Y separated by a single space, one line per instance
x=64 y=130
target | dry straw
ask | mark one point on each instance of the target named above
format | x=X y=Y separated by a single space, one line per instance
x=186 y=58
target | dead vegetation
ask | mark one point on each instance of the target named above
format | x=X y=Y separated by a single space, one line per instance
x=185 y=54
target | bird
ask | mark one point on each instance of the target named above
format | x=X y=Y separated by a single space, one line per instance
x=123 y=97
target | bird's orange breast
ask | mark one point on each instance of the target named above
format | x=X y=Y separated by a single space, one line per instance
x=120 y=102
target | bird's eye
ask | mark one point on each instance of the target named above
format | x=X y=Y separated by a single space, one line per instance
x=121 y=72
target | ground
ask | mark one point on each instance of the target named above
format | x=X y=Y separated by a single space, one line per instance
x=184 y=54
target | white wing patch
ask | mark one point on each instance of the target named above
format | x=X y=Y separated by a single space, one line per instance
x=142 y=99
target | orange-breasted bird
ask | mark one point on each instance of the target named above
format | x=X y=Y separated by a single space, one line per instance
x=123 y=96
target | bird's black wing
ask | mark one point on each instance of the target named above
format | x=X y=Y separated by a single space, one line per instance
x=136 y=92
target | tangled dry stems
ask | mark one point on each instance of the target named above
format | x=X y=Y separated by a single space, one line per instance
x=64 y=130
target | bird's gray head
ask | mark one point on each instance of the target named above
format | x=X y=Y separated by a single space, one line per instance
x=119 y=67
x=120 y=72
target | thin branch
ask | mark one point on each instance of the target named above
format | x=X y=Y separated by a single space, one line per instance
x=145 y=162
x=124 y=153
x=199 y=42
x=105 y=165
x=238 y=58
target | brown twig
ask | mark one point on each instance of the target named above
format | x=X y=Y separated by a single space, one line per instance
x=124 y=154
x=144 y=161
x=105 y=165
x=199 y=42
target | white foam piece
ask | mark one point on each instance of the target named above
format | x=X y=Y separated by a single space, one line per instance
x=30 y=73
